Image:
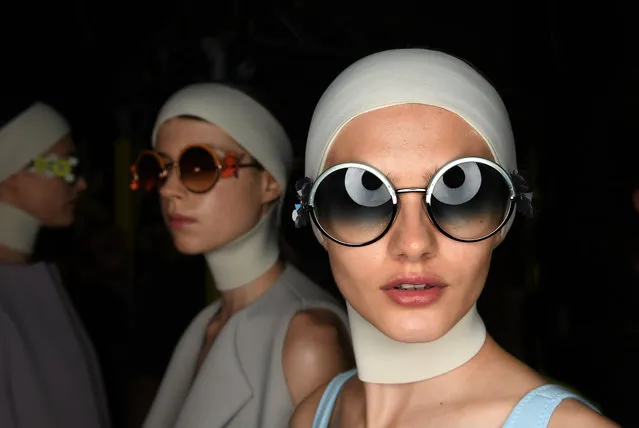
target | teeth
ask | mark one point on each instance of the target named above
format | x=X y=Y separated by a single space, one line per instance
x=413 y=286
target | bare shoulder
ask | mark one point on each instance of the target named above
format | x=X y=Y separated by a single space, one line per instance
x=572 y=413
x=316 y=349
x=315 y=333
x=304 y=413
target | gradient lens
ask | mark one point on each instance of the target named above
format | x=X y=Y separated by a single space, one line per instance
x=148 y=170
x=198 y=169
x=353 y=205
x=469 y=200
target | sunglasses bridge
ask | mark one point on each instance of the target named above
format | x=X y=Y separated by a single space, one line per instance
x=411 y=190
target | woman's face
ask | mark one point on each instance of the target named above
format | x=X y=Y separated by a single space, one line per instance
x=202 y=222
x=52 y=200
x=408 y=143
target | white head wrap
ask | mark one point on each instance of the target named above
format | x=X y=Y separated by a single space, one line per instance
x=411 y=76
x=31 y=133
x=257 y=130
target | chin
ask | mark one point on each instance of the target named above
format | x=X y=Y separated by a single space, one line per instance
x=60 y=223
x=190 y=246
x=413 y=326
x=187 y=248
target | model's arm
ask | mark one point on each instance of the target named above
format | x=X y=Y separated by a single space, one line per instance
x=316 y=349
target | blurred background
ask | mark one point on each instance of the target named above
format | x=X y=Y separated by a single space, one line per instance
x=562 y=294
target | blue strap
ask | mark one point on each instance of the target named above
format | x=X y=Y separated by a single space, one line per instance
x=326 y=404
x=537 y=407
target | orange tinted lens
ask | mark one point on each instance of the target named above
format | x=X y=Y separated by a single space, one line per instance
x=198 y=169
x=148 y=169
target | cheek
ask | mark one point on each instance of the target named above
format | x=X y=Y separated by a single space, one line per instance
x=355 y=267
x=47 y=198
x=232 y=200
x=466 y=263
x=230 y=210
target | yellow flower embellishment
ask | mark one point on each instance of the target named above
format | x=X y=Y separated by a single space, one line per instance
x=41 y=164
x=54 y=166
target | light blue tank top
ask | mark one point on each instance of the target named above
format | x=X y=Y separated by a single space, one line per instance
x=532 y=411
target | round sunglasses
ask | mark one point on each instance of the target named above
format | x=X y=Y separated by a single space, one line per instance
x=468 y=200
x=199 y=168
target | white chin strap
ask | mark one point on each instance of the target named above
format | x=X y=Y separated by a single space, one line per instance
x=25 y=137
x=248 y=257
x=399 y=77
x=256 y=130
x=381 y=359
x=18 y=230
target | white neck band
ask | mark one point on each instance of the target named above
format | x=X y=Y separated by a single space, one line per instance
x=257 y=130
x=18 y=230
x=381 y=359
x=248 y=257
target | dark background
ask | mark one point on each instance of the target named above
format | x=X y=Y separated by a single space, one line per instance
x=562 y=294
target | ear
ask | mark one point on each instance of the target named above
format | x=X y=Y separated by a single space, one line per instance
x=271 y=189
x=499 y=238
x=320 y=238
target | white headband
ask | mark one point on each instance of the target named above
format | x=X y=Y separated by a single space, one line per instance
x=240 y=116
x=31 y=133
x=410 y=76
x=255 y=129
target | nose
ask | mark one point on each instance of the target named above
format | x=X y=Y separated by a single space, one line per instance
x=81 y=184
x=412 y=236
x=172 y=187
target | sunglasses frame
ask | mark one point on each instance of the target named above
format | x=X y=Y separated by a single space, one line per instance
x=225 y=167
x=428 y=193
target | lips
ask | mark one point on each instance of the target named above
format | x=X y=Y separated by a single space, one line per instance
x=178 y=221
x=414 y=282
x=181 y=218
x=415 y=290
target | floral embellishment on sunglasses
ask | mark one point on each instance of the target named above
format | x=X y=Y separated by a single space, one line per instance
x=468 y=200
x=302 y=210
x=231 y=164
x=524 y=197
x=56 y=166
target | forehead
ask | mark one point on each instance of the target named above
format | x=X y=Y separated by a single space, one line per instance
x=177 y=133
x=65 y=146
x=407 y=139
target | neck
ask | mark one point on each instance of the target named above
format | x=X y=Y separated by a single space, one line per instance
x=9 y=255
x=18 y=232
x=386 y=403
x=247 y=258
x=237 y=299
x=413 y=362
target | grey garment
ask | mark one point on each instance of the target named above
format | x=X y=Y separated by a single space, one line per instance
x=241 y=383
x=49 y=374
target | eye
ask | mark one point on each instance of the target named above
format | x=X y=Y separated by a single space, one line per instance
x=365 y=189
x=459 y=184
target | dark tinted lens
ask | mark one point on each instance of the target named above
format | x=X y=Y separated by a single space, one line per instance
x=353 y=205
x=470 y=200
x=148 y=170
x=198 y=169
